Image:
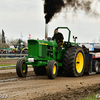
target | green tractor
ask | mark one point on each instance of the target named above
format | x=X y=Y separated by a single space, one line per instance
x=47 y=60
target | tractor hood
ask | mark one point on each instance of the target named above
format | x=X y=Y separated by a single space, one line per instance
x=38 y=48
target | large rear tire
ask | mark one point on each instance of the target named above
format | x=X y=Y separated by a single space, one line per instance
x=52 y=69
x=21 y=69
x=41 y=70
x=73 y=62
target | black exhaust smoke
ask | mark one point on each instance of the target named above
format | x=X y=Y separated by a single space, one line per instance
x=84 y=5
x=51 y=7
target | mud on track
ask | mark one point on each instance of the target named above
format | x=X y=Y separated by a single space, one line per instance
x=40 y=87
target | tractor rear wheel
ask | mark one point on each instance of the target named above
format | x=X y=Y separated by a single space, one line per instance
x=21 y=69
x=41 y=70
x=73 y=62
x=52 y=69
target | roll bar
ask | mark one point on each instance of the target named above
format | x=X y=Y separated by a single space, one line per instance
x=67 y=29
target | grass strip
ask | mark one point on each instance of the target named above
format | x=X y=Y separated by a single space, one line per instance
x=7 y=68
x=92 y=97
x=7 y=64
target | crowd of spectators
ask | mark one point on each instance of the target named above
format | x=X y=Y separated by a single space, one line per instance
x=4 y=51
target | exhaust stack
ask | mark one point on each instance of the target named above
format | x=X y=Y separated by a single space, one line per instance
x=46 y=31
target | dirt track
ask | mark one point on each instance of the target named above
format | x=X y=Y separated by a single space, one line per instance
x=8 y=61
x=40 y=87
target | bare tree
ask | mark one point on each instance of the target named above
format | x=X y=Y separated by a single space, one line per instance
x=11 y=42
x=3 y=45
x=16 y=42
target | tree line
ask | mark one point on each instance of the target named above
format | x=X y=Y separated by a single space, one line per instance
x=10 y=42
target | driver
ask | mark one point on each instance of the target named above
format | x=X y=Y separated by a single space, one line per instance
x=59 y=38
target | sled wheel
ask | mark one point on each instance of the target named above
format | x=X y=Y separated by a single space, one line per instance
x=95 y=66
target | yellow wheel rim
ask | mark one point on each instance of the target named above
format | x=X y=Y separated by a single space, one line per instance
x=79 y=62
x=23 y=71
x=23 y=68
x=54 y=69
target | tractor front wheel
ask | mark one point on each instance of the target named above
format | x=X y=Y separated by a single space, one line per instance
x=21 y=69
x=73 y=62
x=52 y=69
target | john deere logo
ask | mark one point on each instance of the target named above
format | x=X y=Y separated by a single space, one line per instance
x=43 y=44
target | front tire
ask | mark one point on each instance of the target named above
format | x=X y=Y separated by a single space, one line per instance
x=21 y=69
x=73 y=62
x=52 y=69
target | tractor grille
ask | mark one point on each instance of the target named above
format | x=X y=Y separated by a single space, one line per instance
x=36 y=49
x=32 y=48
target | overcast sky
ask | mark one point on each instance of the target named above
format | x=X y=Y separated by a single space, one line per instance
x=27 y=16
